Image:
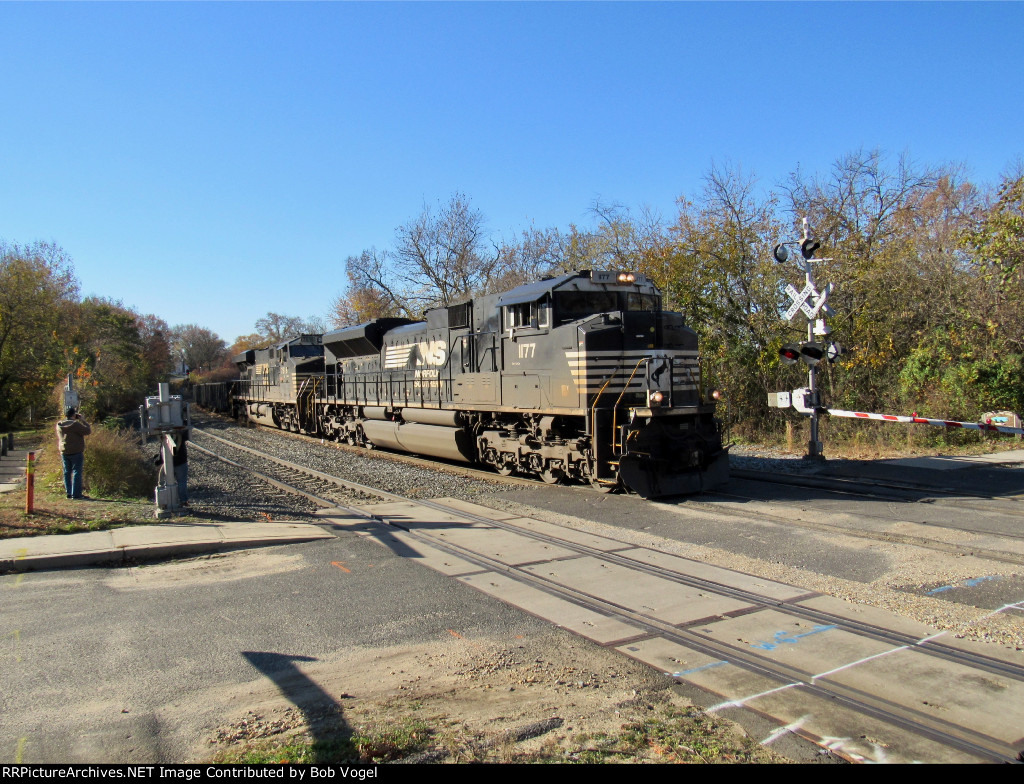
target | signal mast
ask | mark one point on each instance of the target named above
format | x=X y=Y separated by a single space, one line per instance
x=812 y=351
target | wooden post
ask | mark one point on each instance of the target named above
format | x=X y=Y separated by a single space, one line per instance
x=30 y=483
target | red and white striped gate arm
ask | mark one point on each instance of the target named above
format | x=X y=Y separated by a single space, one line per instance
x=924 y=421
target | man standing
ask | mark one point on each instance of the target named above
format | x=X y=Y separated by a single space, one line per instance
x=71 y=433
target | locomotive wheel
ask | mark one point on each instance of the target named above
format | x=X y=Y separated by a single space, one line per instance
x=505 y=469
x=552 y=476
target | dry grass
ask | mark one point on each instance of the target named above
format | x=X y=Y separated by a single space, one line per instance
x=870 y=440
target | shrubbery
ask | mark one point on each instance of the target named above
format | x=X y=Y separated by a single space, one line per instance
x=115 y=464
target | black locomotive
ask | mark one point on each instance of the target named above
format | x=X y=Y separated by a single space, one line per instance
x=581 y=377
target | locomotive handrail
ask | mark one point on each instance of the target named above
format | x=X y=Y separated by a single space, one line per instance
x=615 y=409
x=593 y=418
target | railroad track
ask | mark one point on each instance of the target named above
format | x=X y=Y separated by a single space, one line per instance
x=693 y=635
x=858 y=488
x=404 y=458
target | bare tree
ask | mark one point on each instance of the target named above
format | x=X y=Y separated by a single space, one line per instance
x=531 y=255
x=370 y=293
x=276 y=328
x=439 y=258
x=197 y=346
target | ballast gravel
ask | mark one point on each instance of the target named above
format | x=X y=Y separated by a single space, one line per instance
x=364 y=467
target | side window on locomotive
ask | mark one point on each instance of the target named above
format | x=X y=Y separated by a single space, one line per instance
x=527 y=315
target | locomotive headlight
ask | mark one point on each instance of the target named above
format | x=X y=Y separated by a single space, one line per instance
x=627 y=277
x=717 y=394
x=656 y=398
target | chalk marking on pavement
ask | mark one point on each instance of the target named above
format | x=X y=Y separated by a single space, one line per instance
x=684 y=673
x=964 y=584
x=740 y=702
x=795 y=725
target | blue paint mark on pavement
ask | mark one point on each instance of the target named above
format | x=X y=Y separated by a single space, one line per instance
x=788 y=638
x=965 y=584
x=683 y=673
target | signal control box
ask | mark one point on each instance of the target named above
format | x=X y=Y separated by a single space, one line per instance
x=779 y=399
x=801 y=399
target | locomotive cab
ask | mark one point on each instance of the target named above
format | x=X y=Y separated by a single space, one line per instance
x=280 y=383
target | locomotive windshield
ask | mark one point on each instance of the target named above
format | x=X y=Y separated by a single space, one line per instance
x=306 y=351
x=650 y=303
x=576 y=305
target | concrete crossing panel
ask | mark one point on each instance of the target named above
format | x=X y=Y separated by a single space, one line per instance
x=653 y=596
x=503 y=546
x=685 y=566
x=587 y=623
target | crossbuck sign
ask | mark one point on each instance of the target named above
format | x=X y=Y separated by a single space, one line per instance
x=809 y=301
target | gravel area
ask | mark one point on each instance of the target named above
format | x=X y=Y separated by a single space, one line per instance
x=763 y=458
x=218 y=491
x=365 y=467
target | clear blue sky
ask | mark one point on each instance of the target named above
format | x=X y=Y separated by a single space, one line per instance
x=211 y=162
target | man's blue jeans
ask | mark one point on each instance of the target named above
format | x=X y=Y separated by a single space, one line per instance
x=73 y=474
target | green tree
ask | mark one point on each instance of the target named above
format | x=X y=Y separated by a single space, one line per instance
x=719 y=272
x=998 y=237
x=37 y=290
x=112 y=371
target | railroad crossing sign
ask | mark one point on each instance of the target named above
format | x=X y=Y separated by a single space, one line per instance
x=809 y=301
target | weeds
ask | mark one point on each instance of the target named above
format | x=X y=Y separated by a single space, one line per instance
x=673 y=736
x=371 y=745
x=116 y=469
x=115 y=464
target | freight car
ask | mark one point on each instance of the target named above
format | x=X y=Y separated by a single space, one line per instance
x=581 y=377
x=217 y=396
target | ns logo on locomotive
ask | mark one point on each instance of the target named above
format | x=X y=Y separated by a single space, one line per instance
x=580 y=378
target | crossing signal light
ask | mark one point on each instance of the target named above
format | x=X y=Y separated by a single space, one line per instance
x=812 y=353
x=809 y=247
x=789 y=353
